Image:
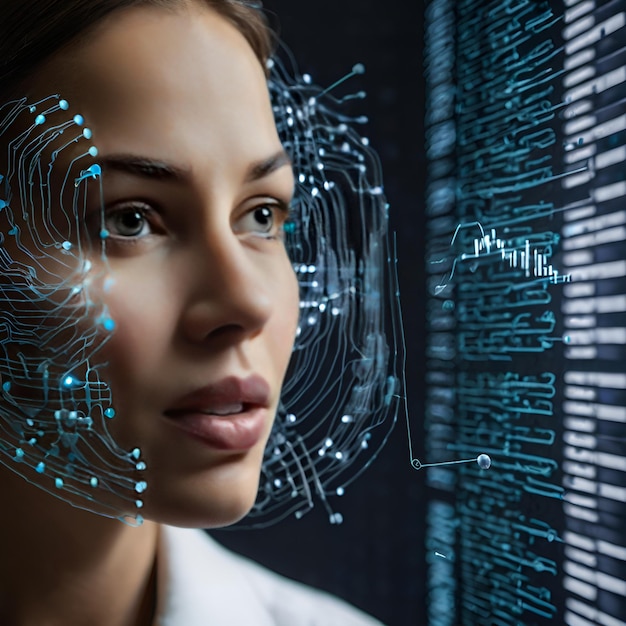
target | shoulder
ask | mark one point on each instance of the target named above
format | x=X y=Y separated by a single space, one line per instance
x=201 y=582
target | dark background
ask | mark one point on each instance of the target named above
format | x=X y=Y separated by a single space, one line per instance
x=375 y=559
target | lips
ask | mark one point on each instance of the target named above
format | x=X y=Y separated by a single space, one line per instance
x=227 y=415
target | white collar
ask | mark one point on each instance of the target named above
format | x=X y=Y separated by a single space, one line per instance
x=200 y=584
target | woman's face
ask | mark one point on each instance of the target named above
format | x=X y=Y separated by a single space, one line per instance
x=203 y=295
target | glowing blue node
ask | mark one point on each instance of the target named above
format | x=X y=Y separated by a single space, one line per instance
x=336 y=518
x=87 y=134
x=94 y=482
x=58 y=483
x=136 y=453
x=359 y=68
x=141 y=486
x=139 y=504
x=64 y=105
x=104 y=233
x=340 y=491
x=6 y=386
x=93 y=151
x=19 y=454
x=41 y=468
x=109 y=324
x=40 y=119
x=69 y=381
x=79 y=120
x=140 y=466
x=66 y=245
x=484 y=461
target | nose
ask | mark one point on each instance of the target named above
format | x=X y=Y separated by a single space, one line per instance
x=230 y=290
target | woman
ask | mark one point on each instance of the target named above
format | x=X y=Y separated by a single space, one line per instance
x=149 y=313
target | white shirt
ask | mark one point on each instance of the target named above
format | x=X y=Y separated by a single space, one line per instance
x=201 y=583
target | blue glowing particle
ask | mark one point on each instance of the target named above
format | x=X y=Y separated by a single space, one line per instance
x=141 y=486
x=108 y=324
x=136 y=453
x=139 y=504
x=484 y=461
x=66 y=245
x=140 y=466
x=87 y=134
x=110 y=412
x=93 y=151
x=104 y=233
x=336 y=518
x=79 y=120
x=40 y=119
x=69 y=381
x=41 y=468
x=19 y=454
x=6 y=386
x=58 y=483
x=94 y=482
x=64 y=105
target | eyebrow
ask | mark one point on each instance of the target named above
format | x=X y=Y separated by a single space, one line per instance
x=154 y=169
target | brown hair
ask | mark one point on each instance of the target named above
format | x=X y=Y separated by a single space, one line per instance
x=33 y=30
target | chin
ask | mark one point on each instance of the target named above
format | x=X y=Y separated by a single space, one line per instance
x=215 y=502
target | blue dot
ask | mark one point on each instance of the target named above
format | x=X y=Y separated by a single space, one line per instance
x=141 y=486
x=66 y=245
x=19 y=454
x=93 y=151
x=6 y=386
x=94 y=482
x=141 y=466
x=139 y=504
x=136 y=453
x=79 y=119
x=58 y=483
x=109 y=324
x=41 y=468
x=484 y=461
x=110 y=412
x=87 y=134
x=40 y=119
x=104 y=233
x=64 y=105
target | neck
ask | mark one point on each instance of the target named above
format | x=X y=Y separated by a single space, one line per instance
x=63 y=565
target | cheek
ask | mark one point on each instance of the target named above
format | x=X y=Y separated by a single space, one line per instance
x=288 y=313
x=143 y=319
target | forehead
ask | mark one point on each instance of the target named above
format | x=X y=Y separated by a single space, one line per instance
x=150 y=79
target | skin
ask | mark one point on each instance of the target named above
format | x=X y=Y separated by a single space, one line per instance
x=203 y=289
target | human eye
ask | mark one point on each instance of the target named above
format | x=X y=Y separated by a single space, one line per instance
x=265 y=220
x=130 y=221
